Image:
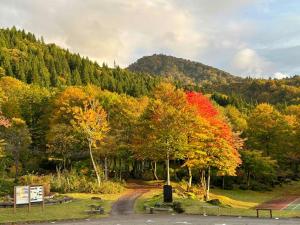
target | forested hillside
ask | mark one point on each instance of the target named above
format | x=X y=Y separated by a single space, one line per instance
x=30 y=60
x=194 y=75
x=181 y=69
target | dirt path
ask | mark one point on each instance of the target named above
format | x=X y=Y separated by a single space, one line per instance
x=125 y=204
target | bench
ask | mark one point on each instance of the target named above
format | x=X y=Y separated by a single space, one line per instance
x=94 y=209
x=263 y=209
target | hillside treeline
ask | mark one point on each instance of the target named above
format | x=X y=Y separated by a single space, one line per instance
x=30 y=60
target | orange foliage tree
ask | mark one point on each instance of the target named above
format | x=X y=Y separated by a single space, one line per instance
x=220 y=146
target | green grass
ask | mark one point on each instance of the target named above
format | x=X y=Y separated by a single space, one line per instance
x=73 y=210
x=238 y=202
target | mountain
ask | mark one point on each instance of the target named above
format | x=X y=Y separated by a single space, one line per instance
x=195 y=75
x=183 y=69
x=32 y=61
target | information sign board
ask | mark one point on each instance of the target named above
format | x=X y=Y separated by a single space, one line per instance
x=22 y=195
x=36 y=193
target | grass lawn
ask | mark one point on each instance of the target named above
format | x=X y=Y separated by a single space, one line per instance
x=73 y=210
x=238 y=202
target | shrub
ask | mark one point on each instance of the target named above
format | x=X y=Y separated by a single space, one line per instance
x=71 y=181
x=32 y=179
x=177 y=207
x=147 y=175
x=6 y=187
x=215 y=202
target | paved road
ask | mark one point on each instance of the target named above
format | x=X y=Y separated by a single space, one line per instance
x=163 y=219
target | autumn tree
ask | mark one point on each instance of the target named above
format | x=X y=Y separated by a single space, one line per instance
x=270 y=132
x=163 y=122
x=90 y=121
x=220 y=150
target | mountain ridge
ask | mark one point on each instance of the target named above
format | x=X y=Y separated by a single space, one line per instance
x=167 y=65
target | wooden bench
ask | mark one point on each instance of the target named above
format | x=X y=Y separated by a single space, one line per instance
x=263 y=209
x=94 y=209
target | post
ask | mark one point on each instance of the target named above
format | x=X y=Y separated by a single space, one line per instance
x=15 y=200
x=257 y=215
x=43 y=202
x=271 y=213
x=29 y=198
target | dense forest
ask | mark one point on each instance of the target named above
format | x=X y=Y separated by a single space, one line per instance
x=30 y=60
x=80 y=124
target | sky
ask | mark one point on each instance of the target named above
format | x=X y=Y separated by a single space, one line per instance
x=257 y=38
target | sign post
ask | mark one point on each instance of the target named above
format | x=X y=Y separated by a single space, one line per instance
x=24 y=195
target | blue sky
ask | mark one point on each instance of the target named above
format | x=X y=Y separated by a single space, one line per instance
x=258 y=38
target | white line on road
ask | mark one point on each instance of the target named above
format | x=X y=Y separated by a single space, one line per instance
x=285 y=207
x=184 y=222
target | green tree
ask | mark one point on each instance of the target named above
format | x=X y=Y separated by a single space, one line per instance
x=62 y=142
x=17 y=139
x=255 y=164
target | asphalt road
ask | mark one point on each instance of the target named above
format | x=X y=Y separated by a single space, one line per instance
x=163 y=219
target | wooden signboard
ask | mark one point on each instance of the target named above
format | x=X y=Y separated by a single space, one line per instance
x=24 y=195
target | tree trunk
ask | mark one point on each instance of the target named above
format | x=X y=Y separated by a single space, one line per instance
x=94 y=164
x=105 y=168
x=168 y=169
x=203 y=181
x=17 y=168
x=223 y=182
x=154 y=169
x=143 y=166
x=207 y=185
x=190 y=178
x=120 y=168
x=248 y=179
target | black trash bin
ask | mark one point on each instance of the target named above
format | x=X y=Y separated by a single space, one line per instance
x=168 y=193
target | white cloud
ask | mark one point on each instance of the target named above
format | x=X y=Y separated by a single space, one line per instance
x=279 y=75
x=210 y=31
x=249 y=63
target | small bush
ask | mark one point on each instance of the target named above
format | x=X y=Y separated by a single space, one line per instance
x=32 y=179
x=6 y=187
x=260 y=187
x=243 y=187
x=215 y=202
x=177 y=207
x=147 y=175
